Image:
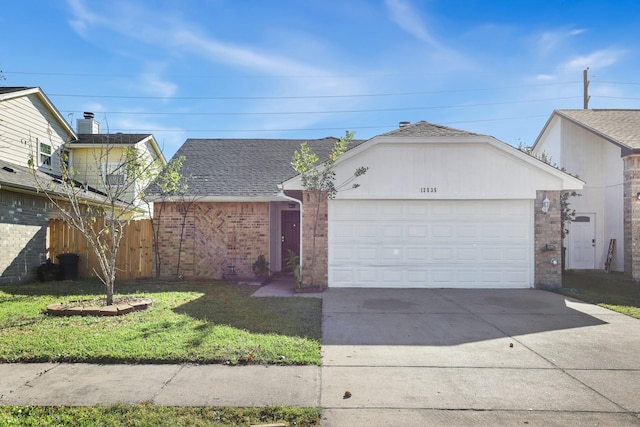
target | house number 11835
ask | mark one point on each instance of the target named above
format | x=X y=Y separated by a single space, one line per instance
x=428 y=189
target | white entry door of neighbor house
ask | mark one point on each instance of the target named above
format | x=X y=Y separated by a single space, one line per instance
x=582 y=242
x=431 y=244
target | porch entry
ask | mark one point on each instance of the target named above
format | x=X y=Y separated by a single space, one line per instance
x=582 y=242
x=290 y=238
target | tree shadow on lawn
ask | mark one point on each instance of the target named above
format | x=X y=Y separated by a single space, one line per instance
x=220 y=303
x=602 y=288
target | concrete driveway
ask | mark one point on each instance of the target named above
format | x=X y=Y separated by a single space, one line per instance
x=476 y=357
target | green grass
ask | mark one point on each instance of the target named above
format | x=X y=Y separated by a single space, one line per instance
x=151 y=415
x=613 y=291
x=197 y=322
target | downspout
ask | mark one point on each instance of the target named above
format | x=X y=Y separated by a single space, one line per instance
x=299 y=202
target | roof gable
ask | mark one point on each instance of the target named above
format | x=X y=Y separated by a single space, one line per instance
x=621 y=127
x=8 y=92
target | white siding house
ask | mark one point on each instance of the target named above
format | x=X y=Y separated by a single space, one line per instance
x=599 y=146
x=440 y=207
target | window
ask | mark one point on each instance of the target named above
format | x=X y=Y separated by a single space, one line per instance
x=45 y=153
x=114 y=174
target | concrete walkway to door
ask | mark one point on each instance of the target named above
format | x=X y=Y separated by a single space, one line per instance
x=476 y=357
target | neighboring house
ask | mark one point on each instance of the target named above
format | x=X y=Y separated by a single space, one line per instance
x=33 y=130
x=97 y=158
x=29 y=126
x=438 y=207
x=602 y=147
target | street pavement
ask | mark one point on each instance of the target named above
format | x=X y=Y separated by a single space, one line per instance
x=401 y=357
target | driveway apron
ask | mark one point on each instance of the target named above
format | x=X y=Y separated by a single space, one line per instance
x=476 y=357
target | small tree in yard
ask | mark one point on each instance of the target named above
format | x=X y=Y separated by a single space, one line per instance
x=170 y=185
x=99 y=213
x=318 y=179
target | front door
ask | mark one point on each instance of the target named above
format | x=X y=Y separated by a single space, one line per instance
x=582 y=242
x=290 y=237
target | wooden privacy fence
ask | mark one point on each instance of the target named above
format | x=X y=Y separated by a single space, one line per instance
x=135 y=254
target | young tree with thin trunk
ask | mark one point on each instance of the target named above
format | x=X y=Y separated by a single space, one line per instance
x=169 y=186
x=101 y=200
x=318 y=180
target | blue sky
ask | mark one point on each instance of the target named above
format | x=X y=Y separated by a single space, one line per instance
x=309 y=69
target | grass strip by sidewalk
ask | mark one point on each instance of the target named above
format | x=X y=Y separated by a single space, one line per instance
x=609 y=290
x=203 y=322
x=152 y=415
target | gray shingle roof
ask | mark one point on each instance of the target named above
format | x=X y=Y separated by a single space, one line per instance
x=619 y=126
x=21 y=178
x=10 y=89
x=242 y=167
x=426 y=129
x=112 y=138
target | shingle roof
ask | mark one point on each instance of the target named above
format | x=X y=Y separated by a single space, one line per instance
x=22 y=178
x=238 y=168
x=619 y=126
x=112 y=138
x=11 y=89
x=426 y=129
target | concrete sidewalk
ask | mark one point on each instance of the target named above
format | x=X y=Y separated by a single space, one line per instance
x=407 y=357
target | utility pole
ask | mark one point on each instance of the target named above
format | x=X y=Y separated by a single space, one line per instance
x=586 y=89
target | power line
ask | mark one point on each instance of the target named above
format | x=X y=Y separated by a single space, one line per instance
x=227 y=98
x=316 y=129
x=373 y=110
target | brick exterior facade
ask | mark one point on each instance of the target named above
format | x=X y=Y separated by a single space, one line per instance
x=23 y=236
x=631 y=206
x=317 y=259
x=548 y=241
x=215 y=238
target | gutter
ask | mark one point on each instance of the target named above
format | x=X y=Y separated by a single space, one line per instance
x=299 y=202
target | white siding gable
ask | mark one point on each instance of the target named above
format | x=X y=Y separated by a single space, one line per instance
x=465 y=168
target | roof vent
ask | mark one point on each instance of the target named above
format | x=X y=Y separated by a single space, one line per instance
x=88 y=115
x=404 y=124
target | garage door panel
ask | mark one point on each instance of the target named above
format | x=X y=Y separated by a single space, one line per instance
x=430 y=243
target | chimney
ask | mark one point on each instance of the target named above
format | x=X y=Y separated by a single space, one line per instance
x=404 y=124
x=88 y=124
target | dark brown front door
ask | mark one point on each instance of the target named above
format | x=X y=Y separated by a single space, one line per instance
x=290 y=235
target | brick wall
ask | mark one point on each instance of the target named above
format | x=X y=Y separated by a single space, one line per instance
x=23 y=236
x=548 y=241
x=315 y=262
x=631 y=206
x=216 y=236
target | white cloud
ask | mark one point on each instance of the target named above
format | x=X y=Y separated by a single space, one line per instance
x=545 y=77
x=407 y=18
x=153 y=84
x=598 y=59
x=83 y=18
x=551 y=41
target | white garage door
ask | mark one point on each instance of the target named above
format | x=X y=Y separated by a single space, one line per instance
x=431 y=244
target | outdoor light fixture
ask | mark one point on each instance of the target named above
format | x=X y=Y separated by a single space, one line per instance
x=545 y=204
x=638 y=196
x=554 y=261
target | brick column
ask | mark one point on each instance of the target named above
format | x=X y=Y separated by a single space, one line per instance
x=318 y=259
x=548 y=241
x=631 y=216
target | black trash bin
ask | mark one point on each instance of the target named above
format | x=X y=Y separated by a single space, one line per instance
x=69 y=264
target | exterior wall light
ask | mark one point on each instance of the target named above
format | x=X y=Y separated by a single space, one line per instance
x=545 y=204
x=554 y=261
x=638 y=196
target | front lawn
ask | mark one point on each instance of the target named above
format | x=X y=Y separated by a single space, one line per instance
x=192 y=322
x=154 y=416
x=610 y=290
